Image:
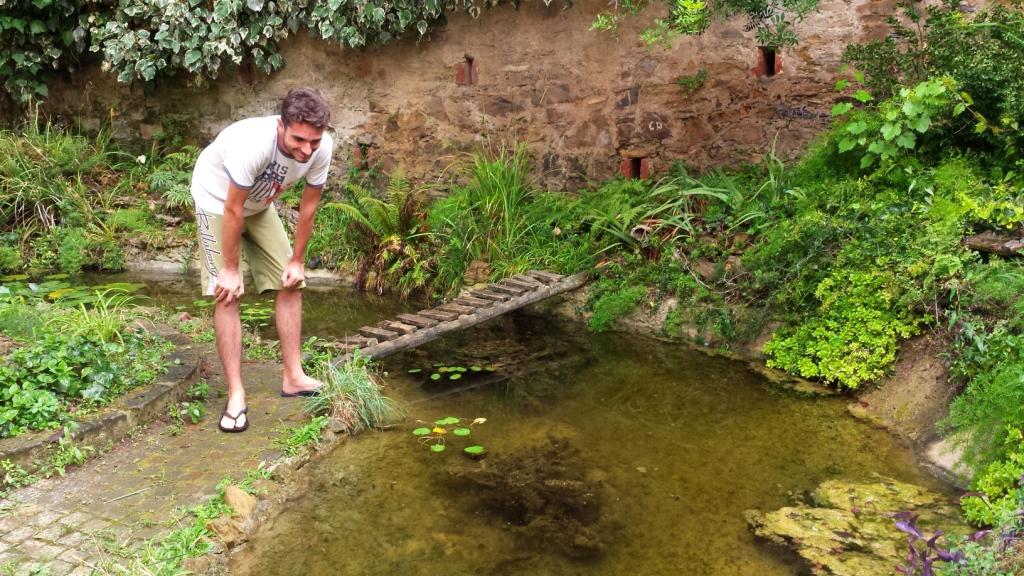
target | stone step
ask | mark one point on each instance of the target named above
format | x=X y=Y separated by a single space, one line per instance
x=381 y=334
x=399 y=327
x=439 y=315
x=416 y=320
x=486 y=294
x=545 y=277
x=457 y=308
x=473 y=302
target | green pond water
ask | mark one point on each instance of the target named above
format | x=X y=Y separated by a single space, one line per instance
x=607 y=454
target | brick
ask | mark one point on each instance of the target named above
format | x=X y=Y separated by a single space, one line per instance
x=466 y=73
x=75 y=519
x=19 y=535
x=44 y=518
x=53 y=534
x=39 y=551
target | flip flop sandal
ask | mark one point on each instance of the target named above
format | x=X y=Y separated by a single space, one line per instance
x=234 y=428
x=301 y=393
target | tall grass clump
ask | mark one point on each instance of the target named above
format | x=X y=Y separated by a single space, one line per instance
x=498 y=216
x=352 y=396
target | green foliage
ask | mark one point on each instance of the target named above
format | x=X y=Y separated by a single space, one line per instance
x=75 y=358
x=998 y=486
x=71 y=252
x=499 y=218
x=295 y=439
x=854 y=334
x=352 y=396
x=610 y=305
x=436 y=436
x=39 y=37
x=982 y=52
x=772 y=19
x=894 y=130
x=388 y=235
x=172 y=179
x=691 y=83
x=10 y=258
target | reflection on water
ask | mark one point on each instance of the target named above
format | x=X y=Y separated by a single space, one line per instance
x=607 y=455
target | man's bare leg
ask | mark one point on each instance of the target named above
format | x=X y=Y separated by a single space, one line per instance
x=227 y=326
x=288 y=315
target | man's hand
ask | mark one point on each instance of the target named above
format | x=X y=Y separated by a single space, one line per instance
x=228 y=287
x=294 y=274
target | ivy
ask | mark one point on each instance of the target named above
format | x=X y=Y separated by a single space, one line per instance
x=146 y=39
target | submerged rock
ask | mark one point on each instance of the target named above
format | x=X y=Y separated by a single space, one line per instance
x=849 y=529
x=545 y=495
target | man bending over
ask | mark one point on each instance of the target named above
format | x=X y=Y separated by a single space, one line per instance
x=234 y=184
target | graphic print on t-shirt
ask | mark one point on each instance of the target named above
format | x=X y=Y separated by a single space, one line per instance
x=268 y=184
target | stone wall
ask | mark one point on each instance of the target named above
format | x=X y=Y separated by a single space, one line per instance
x=587 y=104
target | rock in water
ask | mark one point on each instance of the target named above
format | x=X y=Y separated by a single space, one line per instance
x=849 y=529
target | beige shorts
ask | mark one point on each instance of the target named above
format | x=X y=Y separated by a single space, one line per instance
x=264 y=249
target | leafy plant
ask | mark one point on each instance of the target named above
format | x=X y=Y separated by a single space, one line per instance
x=352 y=396
x=294 y=439
x=436 y=437
x=390 y=235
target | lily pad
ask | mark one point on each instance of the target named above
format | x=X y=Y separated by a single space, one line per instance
x=476 y=368
x=474 y=450
x=415 y=370
x=455 y=376
x=437 y=448
x=421 y=431
x=57 y=276
x=461 y=369
x=14 y=278
x=461 y=431
x=435 y=376
x=447 y=421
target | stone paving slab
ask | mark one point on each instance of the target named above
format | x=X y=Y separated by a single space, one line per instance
x=132 y=493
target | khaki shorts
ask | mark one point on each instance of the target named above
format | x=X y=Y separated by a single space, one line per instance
x=264 y=249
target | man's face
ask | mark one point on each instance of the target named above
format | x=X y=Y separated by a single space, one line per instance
x=298 y=139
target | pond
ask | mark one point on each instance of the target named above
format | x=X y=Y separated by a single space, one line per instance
x=606 y=454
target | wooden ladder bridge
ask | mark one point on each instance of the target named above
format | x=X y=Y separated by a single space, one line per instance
x=411 y=330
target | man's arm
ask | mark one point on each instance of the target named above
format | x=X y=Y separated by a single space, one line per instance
x=229 y=282
x=295 y=273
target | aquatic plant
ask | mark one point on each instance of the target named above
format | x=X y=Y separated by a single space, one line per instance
x=435 y=437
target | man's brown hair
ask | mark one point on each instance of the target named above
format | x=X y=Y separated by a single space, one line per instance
x=305 y=105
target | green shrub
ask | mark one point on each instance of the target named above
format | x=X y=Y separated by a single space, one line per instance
x=613 y=304
x=39 y=382
x=72 y=251
x=998 y=486
x=853 y=336
x=10 y=259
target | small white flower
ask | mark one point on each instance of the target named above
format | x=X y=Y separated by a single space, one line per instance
x=141 y=159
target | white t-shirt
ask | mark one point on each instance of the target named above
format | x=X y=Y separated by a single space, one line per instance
x=246 y=152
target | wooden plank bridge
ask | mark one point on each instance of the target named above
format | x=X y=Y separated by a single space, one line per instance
x=412 y=330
